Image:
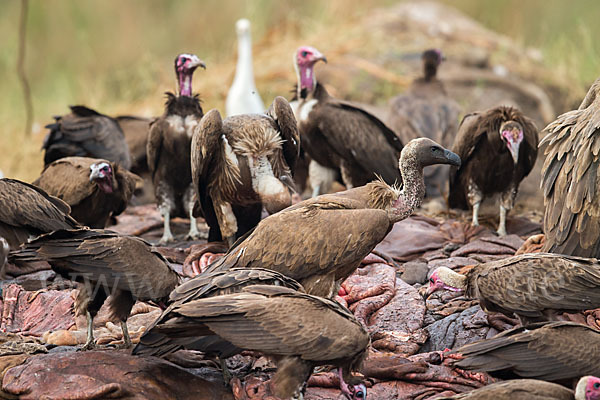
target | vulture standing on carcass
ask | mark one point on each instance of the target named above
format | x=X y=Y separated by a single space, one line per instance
x=298 y=330
x=241 y=164
x=535 y=287
x=425 y=110
x=105 y=264
x=168 y=149
x=570 y=180
x=28 y=211
x=86 y=133
x=331 y=234
x=338 y=134
x=243 y=98
x=588 y=388
x=550 y=351
x=498 y=149
x=95 y=189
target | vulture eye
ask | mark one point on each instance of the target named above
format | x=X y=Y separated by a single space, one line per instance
x=431 y=280
x=360 y=395
x=304 y=53
x=597 y=385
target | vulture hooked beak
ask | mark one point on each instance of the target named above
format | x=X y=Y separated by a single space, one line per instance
x=195 y=62
x=452 y=158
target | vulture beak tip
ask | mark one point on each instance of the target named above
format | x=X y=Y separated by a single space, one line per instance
x=452 y=158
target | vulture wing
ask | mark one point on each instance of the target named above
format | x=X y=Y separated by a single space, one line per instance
x=283 y=115
x=155 y=142
x=136 y=131
x=68 y=178
x=516 y=389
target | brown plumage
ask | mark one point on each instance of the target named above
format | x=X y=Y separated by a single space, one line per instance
x=536 y=287
x=29 y=211
x=105 y=263
x=168 y=149
x=517 y=389
x=300 y=331
x=95 y=189
x=136 y=131
x=552 y=351
x=331 y=234
x=339 y=134
x=498 y=148
x=86 y=133
x=241 y=164
x=570 y=180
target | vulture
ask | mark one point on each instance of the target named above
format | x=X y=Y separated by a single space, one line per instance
x=339 y=134
x=426 y=111
x=570 y=180
x=498 y=149
x=331 y=234
x=136 y=130
x=550 y=351
x=298 y=330
x=243 y=98
x=588 y=388
x=95 y=189
x=241 y=164
x=28 y=211
x=535 y=287
x=104 y=263
x=86 y=133
x=168 y=149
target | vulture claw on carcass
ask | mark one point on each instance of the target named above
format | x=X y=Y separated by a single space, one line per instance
x=266 y=319
x=104 y=263
x=168 y=149
x=338 y=134
x=95 y=189
x=333 y=233
x=498 y=149
x=237 y=165
x=570 y=180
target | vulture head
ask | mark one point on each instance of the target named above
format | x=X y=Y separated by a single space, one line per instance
x=304 y=61
x=588 y=388
x=445 y=278
x=424 y=152
x=102 y=174
x=242 y=27
x=511 y=133
x=355 y=392
x=432 y=59
x=185 y=65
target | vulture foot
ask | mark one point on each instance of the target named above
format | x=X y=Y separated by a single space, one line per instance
x=502 y=226
x=166 y=238
x=89 y=345
x=126 y=338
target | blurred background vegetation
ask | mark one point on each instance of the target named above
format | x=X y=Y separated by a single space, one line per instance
x=117 y=55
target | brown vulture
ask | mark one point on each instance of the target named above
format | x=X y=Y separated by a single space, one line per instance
x=168 y=149
x=104 y=263
x=241 y=164
x=338 y=134
x=550 y=351
x=535 y=287
x=95 y=189
x=28 y=211
x=498 y=149
x=425 y=110
x=86 y=133
x=331 y=234
x=298 y=330
x=570 y=180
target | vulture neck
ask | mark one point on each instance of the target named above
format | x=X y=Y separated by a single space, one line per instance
x=307 y=82
x=429 y=71
x=185 y=83
x=413 y=188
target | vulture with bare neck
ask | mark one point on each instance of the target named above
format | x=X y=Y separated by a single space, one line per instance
x=570 y=180
x=535 y=287
x=241 y=164
x=168 y=149
x=498 y=149
x=95 y=189
x=331 y=234
x=338 y=134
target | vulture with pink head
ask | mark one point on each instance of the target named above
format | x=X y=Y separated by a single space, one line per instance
x=339 y=134
x=95 y=189
x=168 y=149
x=498 y=149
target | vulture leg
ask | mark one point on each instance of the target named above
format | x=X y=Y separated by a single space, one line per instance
x=475 y=198
x=321 y=178
x=346 y=175
x=507 y=202
x=126 y=337
x=189 y=199
x=165 y=212
x=90 y=304
x=225 y=370
x=89 y=343
x=120 y=304
x=227 y=221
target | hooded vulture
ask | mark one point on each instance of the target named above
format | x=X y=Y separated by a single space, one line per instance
x=95 y=189
x=168 y=149
x=299 y=330
x=86 y=133
x=338 y=134
x=426 y=111
x=104 y=263
x=570 y=180
x=241 y=164
x=498 y=149
x=28 y=211
x=333 y=233
x=535 y=287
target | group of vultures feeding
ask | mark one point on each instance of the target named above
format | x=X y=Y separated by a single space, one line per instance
x=280 y=241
